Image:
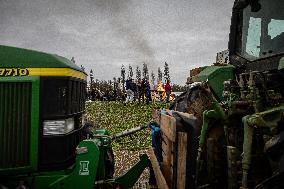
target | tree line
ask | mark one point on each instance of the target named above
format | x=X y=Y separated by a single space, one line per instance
x=115 y=89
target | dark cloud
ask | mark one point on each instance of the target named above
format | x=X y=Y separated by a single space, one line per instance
x=126 y=26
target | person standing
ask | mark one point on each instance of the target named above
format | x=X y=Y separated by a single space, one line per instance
x=129 y=91
x=148 y=92
x=168 y=90
x=134 y=87
x=143 y=89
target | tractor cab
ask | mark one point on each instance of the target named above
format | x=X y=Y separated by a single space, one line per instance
x=257 y=34
x=256 y=43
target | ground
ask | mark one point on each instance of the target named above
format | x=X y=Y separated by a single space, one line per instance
x=117 y=117
x=126 y=159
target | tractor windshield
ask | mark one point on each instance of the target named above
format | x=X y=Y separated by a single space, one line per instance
x=262 y=30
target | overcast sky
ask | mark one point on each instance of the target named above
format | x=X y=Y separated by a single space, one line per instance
x=104 y=34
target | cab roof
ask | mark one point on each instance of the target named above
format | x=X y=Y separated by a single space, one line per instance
x=13 y=57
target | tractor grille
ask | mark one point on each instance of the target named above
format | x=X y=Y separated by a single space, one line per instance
x=15 y=123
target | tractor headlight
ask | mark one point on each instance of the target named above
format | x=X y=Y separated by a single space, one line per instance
x=58 y=127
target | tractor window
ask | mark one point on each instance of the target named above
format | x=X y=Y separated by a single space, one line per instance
x=275 y=28
x=262 y=33
x=253 y=37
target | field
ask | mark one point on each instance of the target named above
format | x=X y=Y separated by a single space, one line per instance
x=117 y=117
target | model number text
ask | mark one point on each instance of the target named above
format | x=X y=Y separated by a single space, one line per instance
x=14 y=72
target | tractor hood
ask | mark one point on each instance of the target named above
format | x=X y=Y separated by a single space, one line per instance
x=215 y=76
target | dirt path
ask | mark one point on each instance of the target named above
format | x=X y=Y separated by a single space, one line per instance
x=125 y=159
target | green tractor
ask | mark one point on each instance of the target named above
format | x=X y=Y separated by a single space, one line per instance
x=239 y=105
x=45 y=143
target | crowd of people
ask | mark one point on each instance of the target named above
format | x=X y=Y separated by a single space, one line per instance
x=140 y=90
x=143 y=91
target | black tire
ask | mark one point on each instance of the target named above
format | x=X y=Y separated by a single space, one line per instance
x=195 y=101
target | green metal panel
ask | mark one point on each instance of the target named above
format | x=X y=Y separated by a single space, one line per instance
x=215 y=75
x=82 y=175
x=12 y=57
x=101 y=131
x=11 y=124
x=104 y=144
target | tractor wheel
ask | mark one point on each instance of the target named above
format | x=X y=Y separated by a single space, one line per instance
x=212 y=173
x=194 y=101
x=198 y=102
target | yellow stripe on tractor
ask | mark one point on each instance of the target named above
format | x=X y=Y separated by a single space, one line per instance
x=57 y=72
x=42 y=72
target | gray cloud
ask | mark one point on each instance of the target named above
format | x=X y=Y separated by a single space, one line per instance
x=126 y=25
x=104 y=34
